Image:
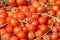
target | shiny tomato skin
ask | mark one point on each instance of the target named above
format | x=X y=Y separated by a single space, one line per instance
x=57 y=2
x=21 y=35
x=40 y=9
x=31 y=35
x=13 y=38
x=54 y=37
x=11 y=2
x=38 y=33
x=3 y=15
x=35 y=16
x=2 y=31
x=9 y=29
x=43 y=28
x=20 y=2
x=6 y=36
x=16 y=30
x=21 y=15
x=13 y=22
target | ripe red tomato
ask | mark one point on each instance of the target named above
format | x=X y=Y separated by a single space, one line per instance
x=25 y=29
x=3 y=15
x=22 y=39
x=31 y=35
x=21 y=15
x=11 y=2
x=21 y=35
x=13 y=38
x=54 y=37
x=59 y=34
x=2 y=31
x=13 y=22
x=35 y=22
x=2 y=21
x=43 y=28
x=35 y=16
x=20 y=2
x=17 y=29
x=57 y=2
x=38 y=33
x=9 y=28
x=40 y=9
x=51 y=13
x=42 y=20
x=32 y=1
x=6 y=36
x=2 y=4
x=30 y=27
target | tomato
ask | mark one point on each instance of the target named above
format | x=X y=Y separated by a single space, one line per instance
x=50 y=21
x=21 y=35
x=51 y=13
x=22 y=39
x=42 y=20
x=58 y=13
x=25 y=29
x=17 y=29
x=35 y=16
x=2 y=21
x=6 y=36
x=31 y=35
x=11 y=2
x=54 y=37
x=3 y=15
x=2 y=4
x=55 y=8
x=58 y=21
x=33 y=10
x=30 y=27
x=2 y=31
x=2 y=10
x=38 y=33
x=20 y=15
x=35 y=23
x=31 y=1
x=14 y=10
x=13 y=38
x=47 y=37
x=9 y=29
x=13 y=22
x=59 y=34
x=24 y=8
x=20 y=2
x=57 y=2
x=43 y=28
x=40 y=9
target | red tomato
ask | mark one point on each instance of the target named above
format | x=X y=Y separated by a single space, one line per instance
x=40 y=9
x=6 y=36
x=38 y=33
x=9 y=29
x=25 y=29
x=2 y=31
x=21 y=35
x=43 y=28
x=42 y=20
x=57 y=2
x=3 y=15
x=20 y=15
x=11 y=2
x=54 y=37
x=2 y=4
x=20 y=2
x=16 y=30
x=13 y=22
x=2 y=21
x=31 y=35
x=35 y=16
x=13 y=38
x=59 y=34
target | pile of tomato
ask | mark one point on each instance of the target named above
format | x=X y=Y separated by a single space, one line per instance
x=30 y=20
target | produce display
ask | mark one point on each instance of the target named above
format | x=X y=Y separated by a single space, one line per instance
x=30 y=20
